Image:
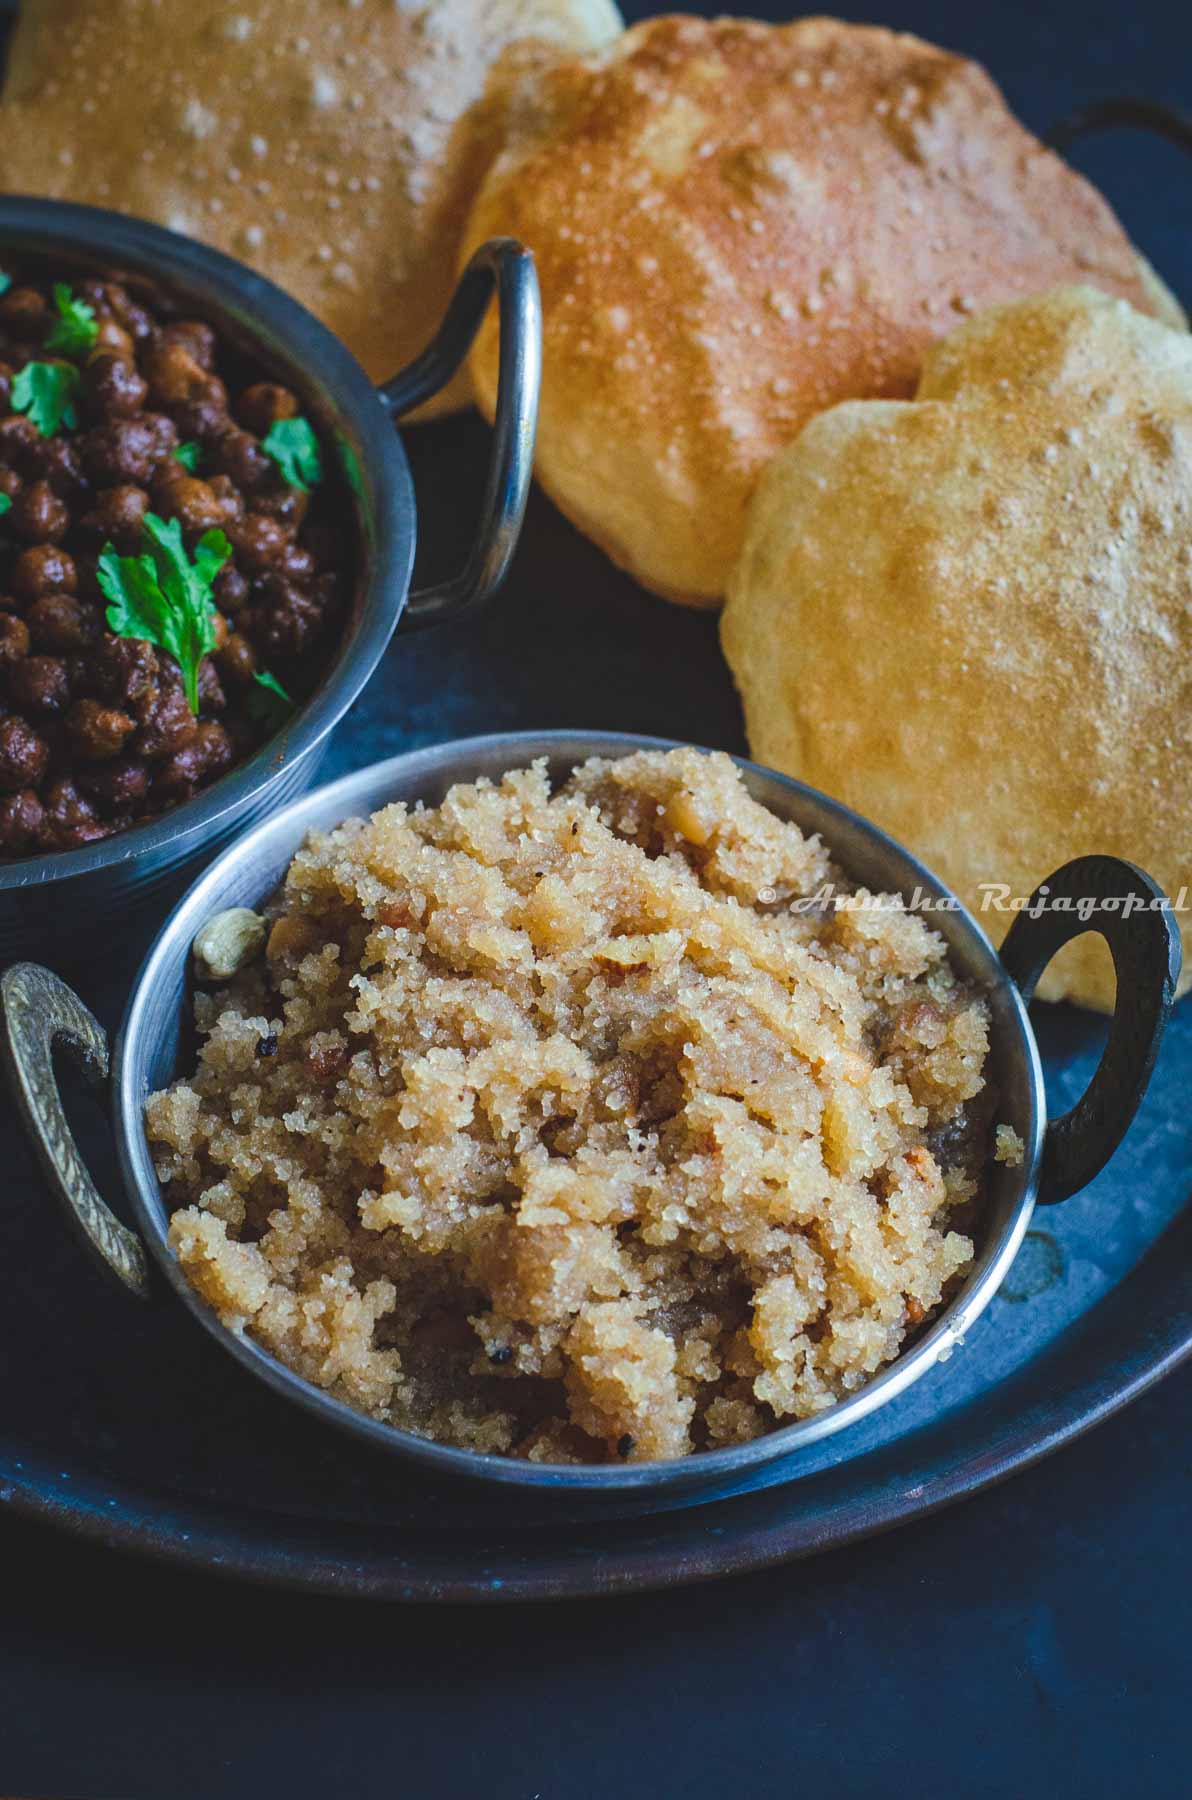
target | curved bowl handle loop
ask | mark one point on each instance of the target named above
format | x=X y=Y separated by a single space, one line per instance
x=37 y=1012
x=1134 y=917
x=1118 y=114
x=505 y=265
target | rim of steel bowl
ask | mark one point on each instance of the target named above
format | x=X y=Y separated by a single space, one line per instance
x=351 y=412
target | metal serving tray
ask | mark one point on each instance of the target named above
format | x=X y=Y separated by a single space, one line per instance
x=129 y=1426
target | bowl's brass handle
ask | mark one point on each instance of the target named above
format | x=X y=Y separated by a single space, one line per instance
x=505 y=265
x=39 y=1011
x=1132 y=914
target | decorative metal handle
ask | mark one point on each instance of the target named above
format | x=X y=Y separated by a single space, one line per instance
x=1108 y=115
x=38 y=1011
x=505 y=265
x=1134 y=917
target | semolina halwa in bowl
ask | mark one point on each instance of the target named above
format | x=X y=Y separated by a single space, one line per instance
x=575 y=1123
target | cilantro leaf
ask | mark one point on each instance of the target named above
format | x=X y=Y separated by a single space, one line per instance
x=295 y=449
x=164 y=597
x=5 y=504
x=5 y=282
x=188 y=455
x=46 y=391
x=137 y=607
x=74 y=331
x=268 y=702
x=273 y=685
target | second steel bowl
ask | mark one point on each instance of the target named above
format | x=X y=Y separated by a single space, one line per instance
x=46 y=901
x=1060 y=1156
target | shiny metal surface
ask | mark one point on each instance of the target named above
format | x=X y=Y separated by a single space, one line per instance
x=40 y=1014
x=501 y=265
x=48 y=902
x=155 y=1042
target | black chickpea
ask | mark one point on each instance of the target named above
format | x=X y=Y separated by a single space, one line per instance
x=263 y=404
x=136 y=319
x=189 y=500
x=39 y=686
x=232 y=589
x=96 y=731
x=259 y=542
x=163 y=434
x=45 y=569
x=53 y=460
x=173 y=373
x=111 y=336
x=239 y=455
x=17 y=434
x=166 y=722
x=14 y=638
x=237 y=659
x=126 y=672
x=296 y=563
x=229 y=499
x=113 y=387
x=24 y=312
x=63 y=625
x=125 y=450
x=287 y=505
x=196 y=337
x=204 y=416
x=119 y=786
x=69 y=817
x=207 y=753
x=24 y=754
x=37 y=515
x=285 y=619
x=21 y=817
x=117 y=516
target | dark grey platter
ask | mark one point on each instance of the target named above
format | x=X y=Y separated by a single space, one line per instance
x=126 y=1424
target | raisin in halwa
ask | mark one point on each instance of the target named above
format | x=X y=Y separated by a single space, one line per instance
x=546 y=1126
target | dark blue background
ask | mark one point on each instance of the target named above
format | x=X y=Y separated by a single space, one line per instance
x=1032 y=1641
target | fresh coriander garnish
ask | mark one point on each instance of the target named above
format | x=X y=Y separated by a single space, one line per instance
x=74 y=331
x=295 y=449
x=5 y=282
x=188 y=455
x=46 y=391
x=5 y=504
x=268 y=702
x=164 y=597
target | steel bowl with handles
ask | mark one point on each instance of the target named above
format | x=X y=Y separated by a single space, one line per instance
x=155 y=1045
x=47 y=898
